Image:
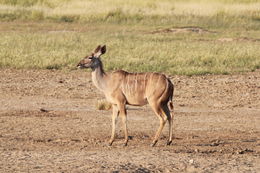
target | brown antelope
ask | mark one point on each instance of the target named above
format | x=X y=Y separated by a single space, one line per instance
x=122 y=88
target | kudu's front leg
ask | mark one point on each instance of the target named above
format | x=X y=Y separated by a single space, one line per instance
x=123 y=115
x=114 y=120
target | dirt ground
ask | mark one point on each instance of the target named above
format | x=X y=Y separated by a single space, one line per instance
x=49 y=123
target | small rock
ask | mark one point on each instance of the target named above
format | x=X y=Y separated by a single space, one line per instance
x=43 y=110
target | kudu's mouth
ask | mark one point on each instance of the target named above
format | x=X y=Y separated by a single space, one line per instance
x=80 y=66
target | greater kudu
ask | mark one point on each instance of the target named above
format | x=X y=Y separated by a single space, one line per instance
x=122 y=88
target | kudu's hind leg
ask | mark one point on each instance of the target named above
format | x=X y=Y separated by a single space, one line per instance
x=170 y=120
x=159 y=112
x=114 y=120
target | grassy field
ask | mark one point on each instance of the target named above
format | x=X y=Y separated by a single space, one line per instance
x=181 y=37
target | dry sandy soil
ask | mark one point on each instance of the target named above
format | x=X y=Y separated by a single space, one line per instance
x=49 y=123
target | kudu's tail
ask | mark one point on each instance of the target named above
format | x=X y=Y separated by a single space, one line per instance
x=171 y=88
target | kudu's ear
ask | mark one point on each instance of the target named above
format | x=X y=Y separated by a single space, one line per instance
x=103 y=49
x=100 y=50
x=97 y=49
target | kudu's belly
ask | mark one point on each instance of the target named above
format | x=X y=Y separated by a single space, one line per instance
x=136 y=100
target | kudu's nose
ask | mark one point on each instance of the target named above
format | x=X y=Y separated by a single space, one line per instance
x=79 y=65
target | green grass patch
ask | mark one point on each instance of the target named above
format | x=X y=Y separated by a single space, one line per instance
x=132 y=49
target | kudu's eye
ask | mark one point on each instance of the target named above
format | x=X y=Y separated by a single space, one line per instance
x=91 y=57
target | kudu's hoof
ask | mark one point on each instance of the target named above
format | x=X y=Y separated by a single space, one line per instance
x=169 y=143
x=110 y=143
x=153 y=144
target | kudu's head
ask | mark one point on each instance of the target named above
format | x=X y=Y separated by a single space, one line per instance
x=93 y=60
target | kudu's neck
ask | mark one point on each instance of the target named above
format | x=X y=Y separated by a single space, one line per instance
x=99 y=75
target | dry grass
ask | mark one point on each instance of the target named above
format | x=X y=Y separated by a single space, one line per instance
x=103 y=105
x=130 y=11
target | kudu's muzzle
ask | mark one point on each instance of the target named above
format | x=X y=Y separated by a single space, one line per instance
x=80 y=65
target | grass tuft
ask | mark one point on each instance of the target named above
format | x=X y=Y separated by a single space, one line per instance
x=103 y=105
